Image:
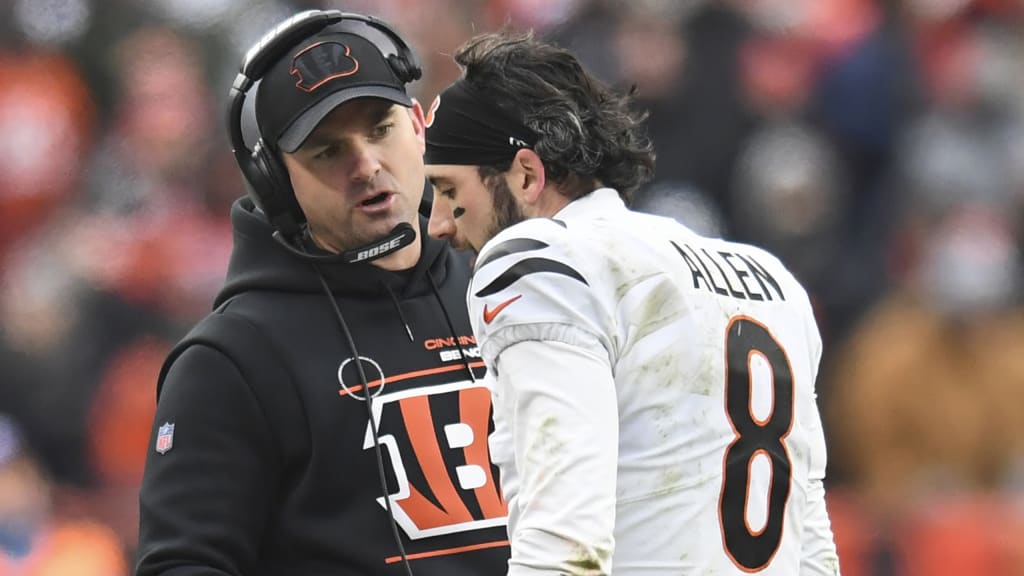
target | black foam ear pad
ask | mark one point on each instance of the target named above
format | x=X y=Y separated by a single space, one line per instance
x=276 y=172
x=272 y=189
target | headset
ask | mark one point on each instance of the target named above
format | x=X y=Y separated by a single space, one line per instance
x=265 y=176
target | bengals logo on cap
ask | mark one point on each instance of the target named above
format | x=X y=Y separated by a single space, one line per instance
x=322 y=62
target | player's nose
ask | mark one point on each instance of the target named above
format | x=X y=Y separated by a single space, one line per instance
x=442 y=222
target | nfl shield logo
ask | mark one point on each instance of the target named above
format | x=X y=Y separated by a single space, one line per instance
x=165 y=438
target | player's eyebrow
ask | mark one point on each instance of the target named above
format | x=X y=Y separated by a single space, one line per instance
x=437 y=181
x=444 y=186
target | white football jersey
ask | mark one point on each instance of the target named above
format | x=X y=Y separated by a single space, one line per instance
x=654 y=401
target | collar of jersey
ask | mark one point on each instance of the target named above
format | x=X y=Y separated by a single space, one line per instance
x=600 y=201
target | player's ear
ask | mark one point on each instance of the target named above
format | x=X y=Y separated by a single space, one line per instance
x=526 y=176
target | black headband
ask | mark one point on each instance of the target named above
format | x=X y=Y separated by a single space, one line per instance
x=463 y=128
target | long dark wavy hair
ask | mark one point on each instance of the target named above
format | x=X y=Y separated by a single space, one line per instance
x=587 y=133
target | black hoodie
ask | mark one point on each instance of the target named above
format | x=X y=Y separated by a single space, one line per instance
x=263 y=460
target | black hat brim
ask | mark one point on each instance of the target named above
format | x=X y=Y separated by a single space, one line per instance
x=299 y=130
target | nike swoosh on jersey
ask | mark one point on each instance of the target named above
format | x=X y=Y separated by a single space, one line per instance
x=489 y=315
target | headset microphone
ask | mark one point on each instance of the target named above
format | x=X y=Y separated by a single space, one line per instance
x=399 y=237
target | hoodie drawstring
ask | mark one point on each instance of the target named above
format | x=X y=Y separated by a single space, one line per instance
x=369 y=411
x=451 y=327
x=398 y=307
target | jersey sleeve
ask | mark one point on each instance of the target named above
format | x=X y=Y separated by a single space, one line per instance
x=556 y=440
x=532 y=283
x=818 y=547
x=543 y=326
x=205 y=494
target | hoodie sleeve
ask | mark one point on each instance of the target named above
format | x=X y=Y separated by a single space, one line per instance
x=196 y=517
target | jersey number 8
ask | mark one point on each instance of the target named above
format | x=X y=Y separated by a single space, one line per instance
x=752 y=548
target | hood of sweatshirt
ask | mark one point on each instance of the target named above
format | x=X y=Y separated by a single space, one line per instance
x=258 y=262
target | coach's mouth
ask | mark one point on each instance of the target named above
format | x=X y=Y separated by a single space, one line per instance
x=375 y=199
x=377 y=202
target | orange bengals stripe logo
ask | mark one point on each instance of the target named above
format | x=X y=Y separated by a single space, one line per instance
x=451 y=508
x=436 y=439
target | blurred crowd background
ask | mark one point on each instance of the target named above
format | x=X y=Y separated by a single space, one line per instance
x=877 y=146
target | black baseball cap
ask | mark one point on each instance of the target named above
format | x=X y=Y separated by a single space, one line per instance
x=340 y=63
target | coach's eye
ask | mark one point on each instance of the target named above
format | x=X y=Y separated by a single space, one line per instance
x=381 y=130
x=459 y=211
x=328 y=152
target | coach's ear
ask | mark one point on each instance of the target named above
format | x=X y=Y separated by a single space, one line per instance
x=419 y=124
x=526 y=177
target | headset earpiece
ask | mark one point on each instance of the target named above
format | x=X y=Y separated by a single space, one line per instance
x=272 y=190
x=403 y=63
x=405 y=71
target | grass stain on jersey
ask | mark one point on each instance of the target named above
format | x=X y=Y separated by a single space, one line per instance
x=624 y=280
x=548 y=443
x=659 y=308
x=669 y=478
x=664 y=422
x=585 y=565
x=585 y=562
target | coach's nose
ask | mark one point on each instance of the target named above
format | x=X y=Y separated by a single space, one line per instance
x=364 y=164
